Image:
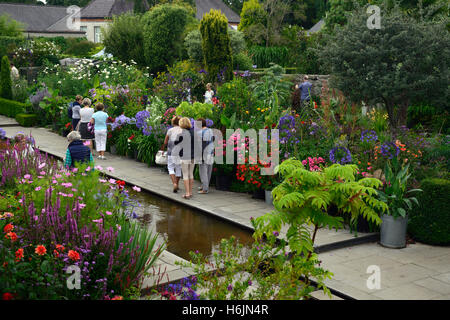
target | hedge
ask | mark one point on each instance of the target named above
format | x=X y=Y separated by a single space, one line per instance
x=430 y=221
x=11 y=108
x=26 y=119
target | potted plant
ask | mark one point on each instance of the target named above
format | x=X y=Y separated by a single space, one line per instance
x=395 y=221
x=223 y=174
x=261 y=185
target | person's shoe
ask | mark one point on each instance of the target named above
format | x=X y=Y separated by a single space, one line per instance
x=202 y=192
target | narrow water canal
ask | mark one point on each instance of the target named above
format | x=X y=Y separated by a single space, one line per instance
x=185 y=229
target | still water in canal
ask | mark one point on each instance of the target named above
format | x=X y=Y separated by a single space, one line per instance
x=185 y=229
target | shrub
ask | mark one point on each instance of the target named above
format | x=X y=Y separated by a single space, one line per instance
x=193 y=45
x=124 y=38
x=5 y=79
x=163 y=28
x=195 y=110
x=430 y=221
x=11 y=108
x=26 y=120
x=216 y=46
x=263 y=56
x=242 y=61
x=80 y=48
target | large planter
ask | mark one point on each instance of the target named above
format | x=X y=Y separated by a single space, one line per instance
x=393 y=231
x=259 y=194
x=268 y=196
x=223 y=182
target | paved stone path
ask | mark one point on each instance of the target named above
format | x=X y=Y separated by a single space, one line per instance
x=416 y=272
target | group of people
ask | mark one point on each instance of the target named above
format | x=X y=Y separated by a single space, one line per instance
x=180 y=141
x=84 y=118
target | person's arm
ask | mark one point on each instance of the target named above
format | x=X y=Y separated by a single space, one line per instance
x=68 y=160
x=166 y=141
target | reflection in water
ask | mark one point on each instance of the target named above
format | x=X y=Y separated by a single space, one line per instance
x=185 y=229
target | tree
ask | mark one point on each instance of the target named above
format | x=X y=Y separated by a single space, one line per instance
x=10 y=27
x=235 y=5
x=163 y=29
x=5 y=79
x=404 y=61
x=216 y=46
x=124 y=38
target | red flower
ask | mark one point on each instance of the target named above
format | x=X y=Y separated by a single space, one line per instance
x=56 y=253
x=68 y=124
x=19 y=254
x=60 y=247
x=8 y=228
x=73 y=255
x=40 y=250
x=117 y=298
x=11 y=236
x=7 y=296
x=132 y=137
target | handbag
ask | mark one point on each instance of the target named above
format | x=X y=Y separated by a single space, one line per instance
x=161 y=157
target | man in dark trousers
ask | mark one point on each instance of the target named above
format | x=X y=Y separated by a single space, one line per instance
x=305 y=91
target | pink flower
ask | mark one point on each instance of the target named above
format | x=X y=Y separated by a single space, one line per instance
x=40 y=177
x=54 y=181
x=98 y=167
x=88 y=169
x=112 y=181
x=27 y=176
x=102 y=180
x=70 y=195
x=137 y=189
x=42 y=165
x=108 y=213
x=98 y=221
x=68 y=174
x=57 y=176
x=75 y=170
x=110 y=169
x=304 y=162
x=74 y=190
x=37 y=188
x=42 y=173
x=118 y=227
x=82 y=205
x=87 y=143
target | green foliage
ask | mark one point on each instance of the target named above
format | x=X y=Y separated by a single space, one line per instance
x=264 y=56
x=396 y=76
x=216 y=47
x=195 y=110
x=163 y=30
x=430 y=221
x=5 y=79
x=242 y=61
x=26 y=120
x=394 y=194
x=11 y=108
x=193 y=45
x=9 y=44
x=124 y=38
x=10 y=27
x=81 y=48
x=304 y=197
x=263 y=272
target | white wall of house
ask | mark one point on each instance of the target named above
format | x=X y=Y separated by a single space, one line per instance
x=52 y=34
x=93 y=29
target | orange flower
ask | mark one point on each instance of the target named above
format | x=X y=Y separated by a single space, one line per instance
x=40 y=250
x=60 y=247
x=8 y=228
x=117 y=298
x=19 y=254
x=11 y=236
x=73 y=255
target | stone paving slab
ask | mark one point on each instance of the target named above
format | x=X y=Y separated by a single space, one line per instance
x=7 y=122
x=404 y=272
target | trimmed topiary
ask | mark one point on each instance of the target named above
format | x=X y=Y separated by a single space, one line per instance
x=26 y=120
x=430 y=221
x=5 y=79
x=11 y=108
x=216 y=46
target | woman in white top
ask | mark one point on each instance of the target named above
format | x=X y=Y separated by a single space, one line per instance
x=85 y=116
x=209 y=94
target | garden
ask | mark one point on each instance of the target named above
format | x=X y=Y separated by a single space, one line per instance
x=373 y=146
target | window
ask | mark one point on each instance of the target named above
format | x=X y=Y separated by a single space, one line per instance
x=97 y=35
x=83 y=28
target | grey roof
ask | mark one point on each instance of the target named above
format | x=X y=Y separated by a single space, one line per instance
x=106 y=8
x=316 y=28
x=204 y=6
x=37 y=18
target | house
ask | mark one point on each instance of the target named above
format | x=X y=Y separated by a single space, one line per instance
x=98 y=13
x=51 y=21
x=317 y=27
x=39 y=20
